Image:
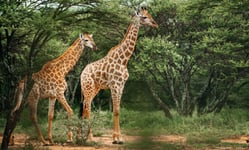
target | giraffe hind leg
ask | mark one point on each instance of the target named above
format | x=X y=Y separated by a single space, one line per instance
x=50 y=118
x=33 y=99
x=88 y=93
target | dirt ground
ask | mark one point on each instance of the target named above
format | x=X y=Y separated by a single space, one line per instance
x=105 y=142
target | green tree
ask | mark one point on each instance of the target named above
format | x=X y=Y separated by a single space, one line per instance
x=191 y=57
x=218 y=31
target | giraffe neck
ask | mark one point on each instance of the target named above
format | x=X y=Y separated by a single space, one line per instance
x=124 y=50
x=68 y=59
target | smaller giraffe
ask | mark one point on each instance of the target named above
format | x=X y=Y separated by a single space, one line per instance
x=111 y=72
x=50 y=83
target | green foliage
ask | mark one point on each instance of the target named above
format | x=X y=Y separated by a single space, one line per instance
x=52 y=49
x=218 y=27
x=136 y=96
x=158 y=49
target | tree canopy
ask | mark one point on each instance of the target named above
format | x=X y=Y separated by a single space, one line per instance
x=199 y=54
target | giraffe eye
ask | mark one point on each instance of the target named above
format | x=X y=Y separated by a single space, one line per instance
x=86 y=40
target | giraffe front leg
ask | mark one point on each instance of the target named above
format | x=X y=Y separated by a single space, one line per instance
x=66 y=106
x=50 y=118
x=117 y=138
x=86 y=114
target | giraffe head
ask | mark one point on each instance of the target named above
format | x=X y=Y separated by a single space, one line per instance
x=145 y=18
x=87 y=40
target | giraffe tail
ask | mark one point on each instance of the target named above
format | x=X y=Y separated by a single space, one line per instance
x=81 y=110
x=19 y=94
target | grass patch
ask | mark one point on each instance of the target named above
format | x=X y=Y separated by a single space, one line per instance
x=200 y=132
x=206 y=130
x=224 y=124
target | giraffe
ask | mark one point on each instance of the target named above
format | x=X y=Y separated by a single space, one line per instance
x=50 y=83
x=111 y=72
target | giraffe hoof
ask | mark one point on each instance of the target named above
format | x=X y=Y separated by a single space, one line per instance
x=48 y=144
x=45 y=143
x=117 y=142
x=69 y=141
x=51 y=142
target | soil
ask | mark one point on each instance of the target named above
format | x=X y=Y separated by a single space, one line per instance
x=104 y=142
x=242 y=139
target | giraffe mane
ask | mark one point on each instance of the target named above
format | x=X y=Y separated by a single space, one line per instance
x=61 y=56
x=113 y=48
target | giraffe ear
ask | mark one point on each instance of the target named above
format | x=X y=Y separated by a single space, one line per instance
x=137 y=13
x=91 y=35
x=81 y=36
x=143 y=8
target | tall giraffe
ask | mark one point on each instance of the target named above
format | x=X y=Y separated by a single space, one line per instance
x=50 y=83
x=111 y=72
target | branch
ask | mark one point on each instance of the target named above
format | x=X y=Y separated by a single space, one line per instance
x=161 y=103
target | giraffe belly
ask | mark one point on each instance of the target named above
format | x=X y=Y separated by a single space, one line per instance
x=103 y=86
x=52 y=89
x=102 y=83
x=48 y=93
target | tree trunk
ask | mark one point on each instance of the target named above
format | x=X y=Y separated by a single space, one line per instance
x=187 y=106
x=13 y=115
x=75 y=89
x=205 y=92
x=12 y=120
x=163 y=106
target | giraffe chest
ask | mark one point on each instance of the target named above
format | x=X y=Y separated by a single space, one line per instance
x=107 y=74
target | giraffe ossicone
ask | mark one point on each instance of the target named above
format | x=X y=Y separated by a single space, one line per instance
x=50 y=83
x=111 y=72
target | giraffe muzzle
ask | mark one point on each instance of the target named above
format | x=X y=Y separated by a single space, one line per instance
x=95 y=47
x=154 y=24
